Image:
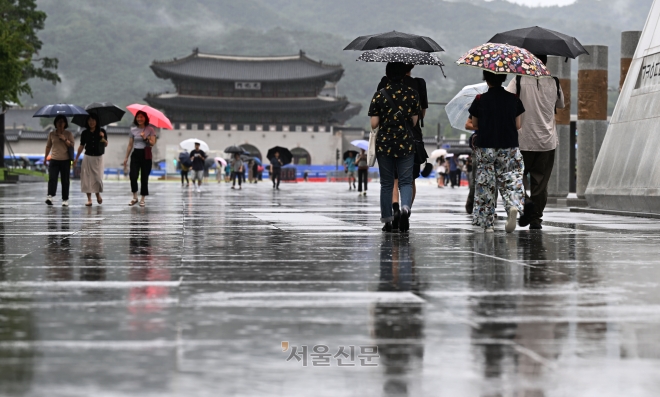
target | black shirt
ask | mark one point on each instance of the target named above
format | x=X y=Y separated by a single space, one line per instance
x=198 y=161
x=92 y=142
x=496 y=111
x=418 y=84
x=275 y=162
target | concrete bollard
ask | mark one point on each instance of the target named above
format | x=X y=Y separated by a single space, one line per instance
x=629 y=41
x=558 y=186
x=592 y=112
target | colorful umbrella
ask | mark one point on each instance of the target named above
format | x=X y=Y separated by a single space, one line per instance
x=504 y=59
x=156 y=117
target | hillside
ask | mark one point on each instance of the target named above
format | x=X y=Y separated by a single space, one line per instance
x=105 y=48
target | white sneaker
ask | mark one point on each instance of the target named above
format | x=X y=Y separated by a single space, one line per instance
x=65 y=203
x=199 y=190
x=511 y=220
x=489 y=230
x=49 y=200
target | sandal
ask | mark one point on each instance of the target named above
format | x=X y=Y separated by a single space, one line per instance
x=89 y=204
x=133 y=202
x=142 y=204
x=99 y=200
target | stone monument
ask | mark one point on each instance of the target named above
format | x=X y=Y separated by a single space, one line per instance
x=626 y=175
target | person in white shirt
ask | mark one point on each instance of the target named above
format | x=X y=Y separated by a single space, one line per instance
x=537 y=138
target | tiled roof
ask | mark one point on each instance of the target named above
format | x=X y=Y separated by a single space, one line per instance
x=239 y=68
x=247 y=104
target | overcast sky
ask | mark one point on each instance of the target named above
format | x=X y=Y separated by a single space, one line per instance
x=535 y=3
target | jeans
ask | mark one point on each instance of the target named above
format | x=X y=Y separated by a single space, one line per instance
x=59 y=169
x=140 y=167
x=276 y=176
x=363 y=176
x=404 y=168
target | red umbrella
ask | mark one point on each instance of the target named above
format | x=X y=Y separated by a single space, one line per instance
x=156 y=117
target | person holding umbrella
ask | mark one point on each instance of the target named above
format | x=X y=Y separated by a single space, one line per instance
x=93 y=140
x=276 y=170
x=496 y=115
x=197 y=156
x=142 y=138
x=59 y=166
x=362 y=171
x=237 y=171
x=393 y=109
x=538 y=138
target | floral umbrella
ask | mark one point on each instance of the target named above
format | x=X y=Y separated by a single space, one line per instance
x=504 y=59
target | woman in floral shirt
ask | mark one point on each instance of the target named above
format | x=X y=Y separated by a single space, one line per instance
x=394 y=142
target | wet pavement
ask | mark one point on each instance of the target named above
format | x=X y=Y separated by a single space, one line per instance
x=256 y=292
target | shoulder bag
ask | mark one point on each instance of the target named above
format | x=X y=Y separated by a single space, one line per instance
x=371 y=150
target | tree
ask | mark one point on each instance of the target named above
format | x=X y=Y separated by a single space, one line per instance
x=19 y=49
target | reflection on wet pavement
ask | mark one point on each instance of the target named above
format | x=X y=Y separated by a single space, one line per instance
x=220 y=293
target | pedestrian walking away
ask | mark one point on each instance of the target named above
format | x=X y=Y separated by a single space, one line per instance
x=276 y=170
x=418 y=84
x=255 y=171
x=496 y=117
x=93 y=140
x=538 y=138
x=454 y=172
x=350 y=168
x=198 y=157
x=185 y=164
x=59 y=145
x=142 y=139
x=390 y=109
x=237 y=171
x=362 y=171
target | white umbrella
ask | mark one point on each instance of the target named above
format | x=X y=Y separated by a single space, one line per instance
x=361 y=143
x=437 y=153
x=189 y=144
x=457 y=108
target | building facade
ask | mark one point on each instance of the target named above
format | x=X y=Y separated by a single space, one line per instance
x=238 y=93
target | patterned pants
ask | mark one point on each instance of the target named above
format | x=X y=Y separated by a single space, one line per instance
x=497 y=169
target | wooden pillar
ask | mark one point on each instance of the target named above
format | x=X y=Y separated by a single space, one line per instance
x=592 y=111
x=629 y=41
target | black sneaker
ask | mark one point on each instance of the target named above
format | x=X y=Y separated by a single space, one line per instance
x=404 y=223
x=387 y=227
x=535 y=226
x=49 y=200
x=395 y=222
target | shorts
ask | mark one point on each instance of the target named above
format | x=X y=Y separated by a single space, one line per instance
x=198 y=175
x=417 y=168
x=350 y=174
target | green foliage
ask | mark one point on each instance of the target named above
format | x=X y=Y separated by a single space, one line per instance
x=19 y=23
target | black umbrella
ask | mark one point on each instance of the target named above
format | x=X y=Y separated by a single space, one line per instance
x=348 y=152
x=60 y=109
x=405 y=55
x=107 y=112
x=285 y=154
x=541 y=41
x=233 y=149
x=394 y=39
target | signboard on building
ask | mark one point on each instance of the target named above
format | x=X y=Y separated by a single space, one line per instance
x=649 y=73
x=247 y=85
